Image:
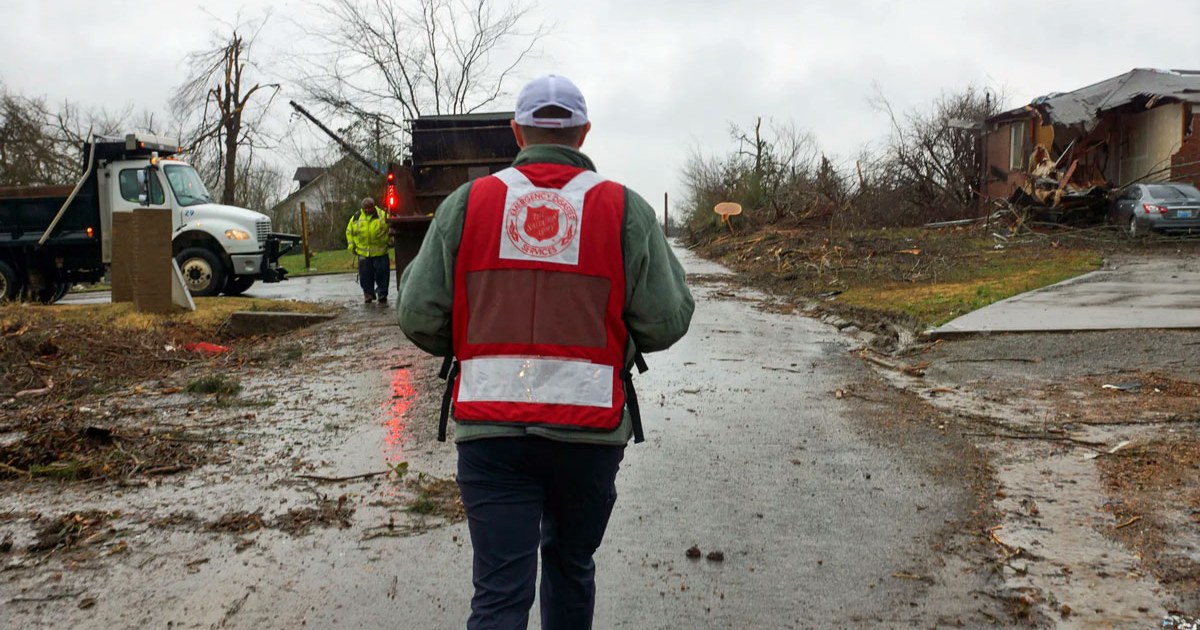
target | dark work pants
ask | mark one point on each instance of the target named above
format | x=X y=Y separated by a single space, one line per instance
x=373 y=275
x=524 y=492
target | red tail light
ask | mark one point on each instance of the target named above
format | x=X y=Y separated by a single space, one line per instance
x=90 y=232
x=1151 y=208
x=390 y=201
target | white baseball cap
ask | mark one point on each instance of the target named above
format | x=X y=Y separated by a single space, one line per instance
x=551 y=90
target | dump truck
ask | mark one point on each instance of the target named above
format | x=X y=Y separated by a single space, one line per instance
x=446 y=152
x=54 y=236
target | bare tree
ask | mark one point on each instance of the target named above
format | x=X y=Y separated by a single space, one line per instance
x=42 y=144
x=931 y=164
x=770 y=172
x=222 y=104
x=385 y=61
x=30 y=153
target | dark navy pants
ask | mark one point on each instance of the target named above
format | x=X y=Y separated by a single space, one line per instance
x=523 y=493
x=373 y=275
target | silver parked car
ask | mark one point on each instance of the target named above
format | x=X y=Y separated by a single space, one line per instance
x=1167 y=207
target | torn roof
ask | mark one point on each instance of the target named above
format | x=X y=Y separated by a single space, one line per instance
x=1082 y=106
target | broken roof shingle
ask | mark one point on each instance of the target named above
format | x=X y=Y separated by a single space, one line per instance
x=1081 y=106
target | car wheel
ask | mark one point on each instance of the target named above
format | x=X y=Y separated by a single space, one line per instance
x=10 y=284
x=237 y=285
x=203 y=271
x=1134 y=230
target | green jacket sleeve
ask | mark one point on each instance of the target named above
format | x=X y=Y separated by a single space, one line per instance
x=658 y=304
x=427 y=284
x=350 y=233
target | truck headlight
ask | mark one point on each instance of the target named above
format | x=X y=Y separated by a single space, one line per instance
x=236 y=235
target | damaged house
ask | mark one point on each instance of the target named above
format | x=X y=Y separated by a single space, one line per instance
x=1068 y=151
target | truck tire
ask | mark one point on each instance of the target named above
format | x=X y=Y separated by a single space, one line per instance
x=237 y=285
x=203 y=271
x=50 y=293
x=10 y=283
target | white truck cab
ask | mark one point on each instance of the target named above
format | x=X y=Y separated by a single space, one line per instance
x=219 y=248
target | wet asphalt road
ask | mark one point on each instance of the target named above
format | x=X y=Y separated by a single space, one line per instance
x=338 y=287
x=748 y=452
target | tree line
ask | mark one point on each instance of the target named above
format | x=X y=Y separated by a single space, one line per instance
x=369 y=66
x=927 y=168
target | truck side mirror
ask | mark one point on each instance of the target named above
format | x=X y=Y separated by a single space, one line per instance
x=143 y=192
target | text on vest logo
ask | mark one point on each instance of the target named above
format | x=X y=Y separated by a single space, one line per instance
x=541 y=223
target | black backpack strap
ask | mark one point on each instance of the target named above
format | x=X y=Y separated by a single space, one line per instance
x=448 y=373
x=631 y=401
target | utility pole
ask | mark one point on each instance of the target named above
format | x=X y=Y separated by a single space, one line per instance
x=666 y=217
x=304 y=236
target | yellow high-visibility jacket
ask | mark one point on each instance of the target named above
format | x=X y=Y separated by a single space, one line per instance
x=367 y=236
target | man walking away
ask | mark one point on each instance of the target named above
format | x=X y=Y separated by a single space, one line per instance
x=367 y=237
x=544 y=282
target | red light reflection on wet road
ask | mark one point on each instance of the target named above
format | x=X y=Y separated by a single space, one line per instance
x=395 y=416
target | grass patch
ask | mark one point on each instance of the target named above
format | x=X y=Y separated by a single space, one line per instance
x=995 y=277
x=423 y=504
x=335 y=261
x=930 y=276
x=214 y=384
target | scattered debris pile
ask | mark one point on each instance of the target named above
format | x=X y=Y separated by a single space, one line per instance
x=1060 y=195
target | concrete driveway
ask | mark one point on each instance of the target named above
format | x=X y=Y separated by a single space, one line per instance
x=1129 y=293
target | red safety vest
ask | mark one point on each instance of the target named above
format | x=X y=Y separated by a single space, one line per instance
x=539 y=291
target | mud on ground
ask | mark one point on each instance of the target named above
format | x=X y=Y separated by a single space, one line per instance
x=96 y=517
x=1104 y=428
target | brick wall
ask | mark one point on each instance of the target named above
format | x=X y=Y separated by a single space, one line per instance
x=1185 y=165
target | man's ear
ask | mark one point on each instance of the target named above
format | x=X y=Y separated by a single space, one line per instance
x=583 y=135
x=518 y=134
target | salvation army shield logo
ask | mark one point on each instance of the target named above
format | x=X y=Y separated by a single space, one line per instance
x=541 y=223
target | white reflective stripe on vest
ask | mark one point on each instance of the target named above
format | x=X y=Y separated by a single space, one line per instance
x=536 y=380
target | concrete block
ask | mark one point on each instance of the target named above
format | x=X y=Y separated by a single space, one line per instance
x=250 y=323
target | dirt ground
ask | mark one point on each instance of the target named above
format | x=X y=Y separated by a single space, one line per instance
x=1123 y=404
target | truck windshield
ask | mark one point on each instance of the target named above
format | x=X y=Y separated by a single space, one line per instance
x=189 y=190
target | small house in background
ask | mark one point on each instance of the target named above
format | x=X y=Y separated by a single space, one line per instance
x=330 y=195
x=1076 y=146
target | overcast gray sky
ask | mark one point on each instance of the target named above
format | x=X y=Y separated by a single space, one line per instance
x=663 y=76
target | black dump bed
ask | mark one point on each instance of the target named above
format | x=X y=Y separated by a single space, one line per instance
x=26 y=212
x=449 y=151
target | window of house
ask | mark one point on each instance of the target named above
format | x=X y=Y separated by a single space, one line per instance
x=1017 y=143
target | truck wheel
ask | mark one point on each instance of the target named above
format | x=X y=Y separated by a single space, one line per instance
x=10 y=285
x=237 y=285
x=203 y=271
x=51 y=293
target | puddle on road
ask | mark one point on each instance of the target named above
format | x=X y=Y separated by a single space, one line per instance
x=395 y=415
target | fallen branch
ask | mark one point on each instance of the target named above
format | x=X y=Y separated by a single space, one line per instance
x=1008 y=549
x=1049 y=438
x=1012 y=359
x=341 y=479
x=1128 y=523
x=917 y=371
x=907 y=576
x=14 y=469
x=779 y=369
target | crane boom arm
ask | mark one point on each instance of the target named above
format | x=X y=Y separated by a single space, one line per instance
x=336 y=138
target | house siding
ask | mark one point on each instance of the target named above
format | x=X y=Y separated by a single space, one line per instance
x=1185 y=164
x=1148 y=140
